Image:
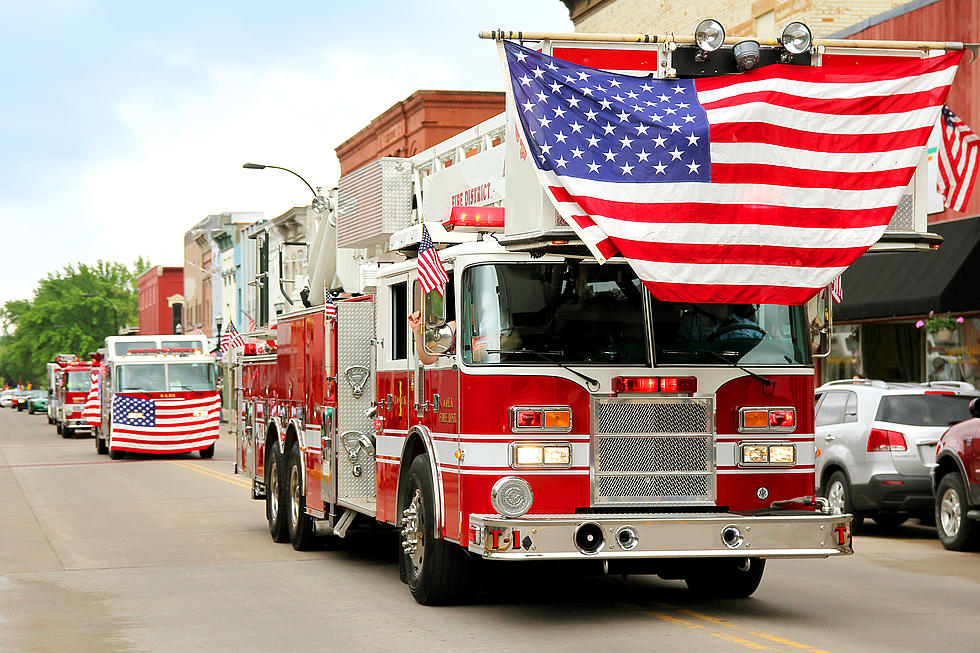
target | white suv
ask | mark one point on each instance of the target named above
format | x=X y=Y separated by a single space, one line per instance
x=876 y=445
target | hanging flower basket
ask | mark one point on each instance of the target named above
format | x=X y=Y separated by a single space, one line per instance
x=942 y=326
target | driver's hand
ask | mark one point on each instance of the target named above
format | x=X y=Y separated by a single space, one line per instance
x=415 y=320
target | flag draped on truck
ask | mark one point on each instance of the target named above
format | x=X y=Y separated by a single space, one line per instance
x=92 y=411
x=165 y=425
x=759 y=187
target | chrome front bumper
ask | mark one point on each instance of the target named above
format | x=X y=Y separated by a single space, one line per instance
x=695 y=535
x=79 y=425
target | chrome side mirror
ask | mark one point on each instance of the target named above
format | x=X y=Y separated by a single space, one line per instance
x=819 y=316
x=438 y=340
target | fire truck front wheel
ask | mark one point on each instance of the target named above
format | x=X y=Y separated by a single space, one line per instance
x=274 y=496
x=299 y=523
x=100 y=445
x=438 y=572
x=727 y=578
x=67 y=432
x=57 y=427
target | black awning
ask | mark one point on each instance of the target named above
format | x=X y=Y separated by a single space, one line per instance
x=910 y=284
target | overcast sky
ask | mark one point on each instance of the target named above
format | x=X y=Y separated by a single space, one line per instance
x=123 y=123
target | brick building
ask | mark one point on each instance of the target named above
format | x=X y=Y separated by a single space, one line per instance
x=160 y=300
x=416 y=123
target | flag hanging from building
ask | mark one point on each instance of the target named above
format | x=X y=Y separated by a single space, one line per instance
x=231 y=338
x=957 y=161
x=432 y=274
x=760 y=187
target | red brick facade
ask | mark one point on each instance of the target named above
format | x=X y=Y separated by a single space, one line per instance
x=155 y=286
x=417 y=123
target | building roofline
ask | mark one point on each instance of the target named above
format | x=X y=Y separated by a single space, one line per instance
x=885 y=16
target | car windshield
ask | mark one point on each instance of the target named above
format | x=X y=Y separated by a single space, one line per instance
x=190 y=376
x=924 y=409
x=79 y=381
x=538 y=313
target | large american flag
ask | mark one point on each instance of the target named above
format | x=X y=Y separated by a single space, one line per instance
x=957 y=161
x=92 y=410
x=760 y=187
x=432 y=274
x=231 y=338
x=171 y=425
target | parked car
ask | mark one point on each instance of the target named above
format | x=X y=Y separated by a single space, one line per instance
x=876 y=445
x=38 y=402
x=956 y=481
x=21 y=399
x=7 y=398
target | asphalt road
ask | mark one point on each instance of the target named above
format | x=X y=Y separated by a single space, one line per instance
x=171 y=554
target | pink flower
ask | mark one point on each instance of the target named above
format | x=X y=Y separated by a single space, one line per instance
x=931 y=312
x=919 y=324
x=960 y=320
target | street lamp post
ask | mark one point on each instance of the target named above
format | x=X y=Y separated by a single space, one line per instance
x=319 y=204
x=115 y=316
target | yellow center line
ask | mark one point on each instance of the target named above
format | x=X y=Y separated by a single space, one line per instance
x=674 y=620
x=212 y=474
x=741 y=642
x=697 y=615
x=789 y=642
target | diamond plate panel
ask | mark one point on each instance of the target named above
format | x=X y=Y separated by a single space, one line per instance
x=373 y=202
x=653 y=454
x=355 y=329
x=904 y=217
x=688 y=417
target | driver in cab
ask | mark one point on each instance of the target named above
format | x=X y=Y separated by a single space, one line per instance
x=714 y=322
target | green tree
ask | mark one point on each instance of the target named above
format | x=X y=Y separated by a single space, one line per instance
x=72 y=311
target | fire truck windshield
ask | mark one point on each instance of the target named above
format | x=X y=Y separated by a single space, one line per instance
x=79 y=381
x=582 y=313
x=572 y=312
x=161 y=377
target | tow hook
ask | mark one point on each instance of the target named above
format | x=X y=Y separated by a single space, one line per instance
x=822 y=505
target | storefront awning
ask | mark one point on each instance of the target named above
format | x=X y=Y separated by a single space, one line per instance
x=910 y=284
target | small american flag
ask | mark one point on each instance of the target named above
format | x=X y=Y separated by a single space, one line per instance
x=432 y=274
x=231 y=338
x=957 y=161
x=329 y=305
x=760 y=187
x=837 y=290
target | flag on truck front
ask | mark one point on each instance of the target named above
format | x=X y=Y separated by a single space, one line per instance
x=231 y=338
x=92 y=411
x=165 y=425
x=957 y=161
x=758 y=187
x=432 y=274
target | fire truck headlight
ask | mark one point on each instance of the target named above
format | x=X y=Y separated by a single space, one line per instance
x=763 y=453
x=540 y=454
x=782 y=454
x=200 y=413
x=511 y=496
x=755 y=453
x=709 y=35
x=796 y=38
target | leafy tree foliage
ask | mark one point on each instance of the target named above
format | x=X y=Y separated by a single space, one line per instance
x=72 y=311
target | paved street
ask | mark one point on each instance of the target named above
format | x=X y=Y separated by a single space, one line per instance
x=171 y=554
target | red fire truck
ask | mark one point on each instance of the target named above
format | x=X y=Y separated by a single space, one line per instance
x=73 y=380
x=569 y=415
x=53 y=378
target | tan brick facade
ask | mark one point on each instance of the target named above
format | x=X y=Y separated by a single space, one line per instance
x=740 y=17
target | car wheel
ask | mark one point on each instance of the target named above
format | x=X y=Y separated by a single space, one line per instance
x=956 y=531
x=890 y=519
x=208 y=452
x=100 y=445
x=727 y=579
x=299 y=523
x=839 y=495
x=438 y=572
x=274 y=499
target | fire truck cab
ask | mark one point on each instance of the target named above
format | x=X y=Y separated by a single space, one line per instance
x=72 y=384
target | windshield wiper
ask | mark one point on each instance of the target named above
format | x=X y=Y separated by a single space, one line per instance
x=546 y=355
x=721 y=356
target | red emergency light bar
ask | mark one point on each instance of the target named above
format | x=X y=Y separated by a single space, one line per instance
x=475 y=218
x=649 y=384
x=170 y=350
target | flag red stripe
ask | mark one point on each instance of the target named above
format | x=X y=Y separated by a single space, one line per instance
x=771 y=175
x=869 y=105
x=757 y=132
x=609 y=58
x=150 y=431
x=738 y=254
x=712 y=293
x=776 y=216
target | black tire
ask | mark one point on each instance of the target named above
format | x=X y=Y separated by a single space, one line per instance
x=275 y=498
x=30 y=411
x=734 y=578
x=208 y=452
x=956 y=531
x=100 y=445
x=438 y=572
x=67 y=432
x=890 y=519
x=298 y=523
x=838 y=492
x=58 y=427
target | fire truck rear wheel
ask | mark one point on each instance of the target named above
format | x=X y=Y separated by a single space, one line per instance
x=438 y=572
x=275 y=498
x=100 y=445
x=57 y=427
x=299 y=523
x=729 y=578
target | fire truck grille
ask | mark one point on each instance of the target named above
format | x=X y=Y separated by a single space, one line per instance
x=653 y=451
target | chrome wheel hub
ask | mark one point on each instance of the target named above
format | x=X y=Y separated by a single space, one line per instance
x=294 y=495
x=950 y=512
x=835 y=496
x=413 y=532
x=273 y=491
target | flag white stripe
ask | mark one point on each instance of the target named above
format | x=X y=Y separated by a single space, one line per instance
x=711 y=274
x=833 y=90
x=755 y=194
x=960 y=198
x=819 y=123
x=752 y=153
